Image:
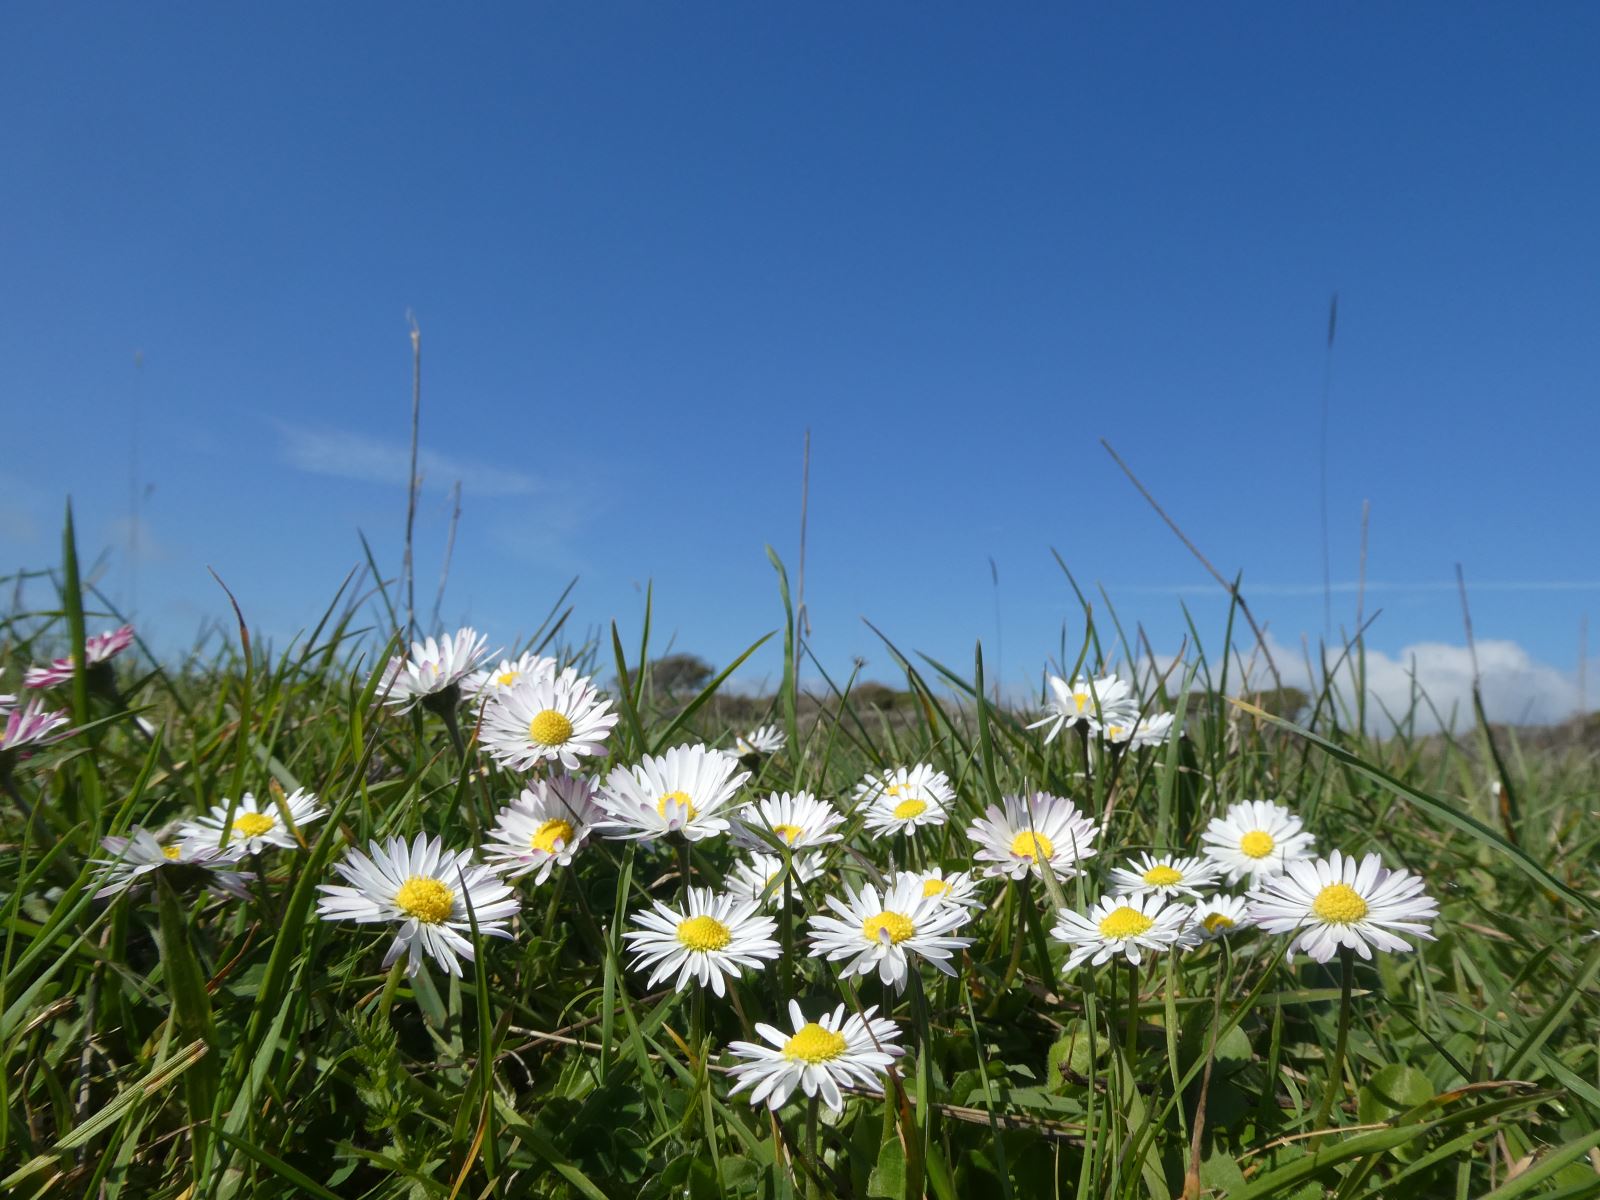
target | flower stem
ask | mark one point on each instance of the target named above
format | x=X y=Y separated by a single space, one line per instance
x=1133 y=1014
x=1335 y=1085
x=386 y=999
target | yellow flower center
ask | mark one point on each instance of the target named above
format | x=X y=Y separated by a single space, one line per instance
x=253 y=824
x=1124 y=922
x=672 y=799
x=898 y=928
x=894 y=789
x=506 y=679
x=547 y=835
x=1257 y=843
x=1113 y=732
x=907 y=809
x=1162 y=876
x=1081 y=699
x=1339 y=904
x=1216 y=922
x=171 y=853
x=704 y=933
x=788 y=832
x=550 y=728
x=428 y=900
x=934 y=887
x=1032 y=845
x=814 y=1044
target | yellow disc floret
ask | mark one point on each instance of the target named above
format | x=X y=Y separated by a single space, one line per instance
x=428 y=900
x=1032 y=845
x=788 y=832
x=1162 y=876
x=908 y=809
x=704 y=933
x=547 y=835
x=171 y=853
x=1339 y=904
x=891 y=924
x=934 y=887
x=1217 y=922
x=1257 y=843
x=506 y=678
x=814 y=1044
x=253 y=824
x=550 y=728
x=672 y=799
x=1125 y=922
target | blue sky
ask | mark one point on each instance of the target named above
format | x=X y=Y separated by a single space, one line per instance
x=649 y=245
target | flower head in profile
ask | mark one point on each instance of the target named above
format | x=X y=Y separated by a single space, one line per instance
x=1025 y=834
x=1339 y=902
x=1096 y=703
x=427 y=891
x=712 y=939
x=817 y=1057
x=958 y=887
x=100 y=648
x=1153 y=729
x=686 y=790
x=485 y=685
x=1130 y=926
x=1221 y=916
x=559 y=720
x=1256 y=838
x=799 y=820
x=761 y=877
x=1165 y=875
x=543 y=827
x=30 y=727
x=869 y=931
x=135 y=858
x=761 y=741
x=904 y=800
x=433 y=671
x=253 y=826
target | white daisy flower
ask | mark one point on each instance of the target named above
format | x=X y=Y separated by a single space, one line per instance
x=766 y=739
x=543 y=827
x=922 y=784
x=681 y=791
x=760 y=877
x=1256 y=838
x=426 y=889
x=818 y=1057
x=877 y=933
x=1092 y=702
x=29 y=727
x=716 y=937
x=1218 y=916
x=1027 y=832
x=486 y=685
x=1338 y=902
x=432 y=669
x=1165 y=876
x=561 y=719
x=101 y=648
x=958 y=887
x=1152 y=730
x=135 y=857
x=1127 y=925
x=256 y=824
x=800 y=820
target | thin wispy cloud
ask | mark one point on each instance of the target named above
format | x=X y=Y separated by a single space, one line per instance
x=340 y=454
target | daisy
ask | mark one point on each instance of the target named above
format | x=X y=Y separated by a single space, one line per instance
x=1220 y=915
x=1126 y=925
x=799 y=819
x=681 y=791
x=1256 y=838
x=1165 y=876
x=426 y=889
x=486 y=685
x=434 y=671
x=544 y=827
x=133 y=858
x=102 y=647
x=1338 y=902
x=1031 y=831
x=31 y=726
x=818 y=1057
x=561 y=719
x=921 y=784
x=766 y=739
x=877 y=933
x=254 y=826
x=715 y=937
x=760 y=877
x=1092 y=702
x=1152 y=730
x=958 y=887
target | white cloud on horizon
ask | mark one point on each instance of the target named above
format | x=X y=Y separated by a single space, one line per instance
x=340 y=454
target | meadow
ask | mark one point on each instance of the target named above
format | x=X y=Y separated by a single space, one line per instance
x=801 y=946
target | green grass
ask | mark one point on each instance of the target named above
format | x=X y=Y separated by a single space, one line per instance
x=174 y=1044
